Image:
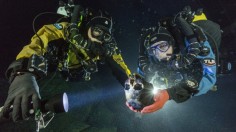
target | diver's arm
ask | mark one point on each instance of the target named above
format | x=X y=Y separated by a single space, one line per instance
x=182 y=92
x=38 y=47
x=179 y=93
x=209 y=71
x=47 y=33
x=207 y=82
x=119 y=68
x=24 y=72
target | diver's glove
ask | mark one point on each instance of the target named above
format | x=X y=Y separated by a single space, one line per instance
x=178 y=62
x=184 y=60
x=160 y=98
x=106 y=49
x=135 y=89
x=96 y=48
x=110 y=48
x=23 y=91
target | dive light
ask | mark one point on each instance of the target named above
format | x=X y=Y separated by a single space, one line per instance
x=57 y=104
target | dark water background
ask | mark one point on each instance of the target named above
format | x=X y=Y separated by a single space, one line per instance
x=100 y=105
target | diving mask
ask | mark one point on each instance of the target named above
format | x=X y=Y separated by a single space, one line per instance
x=161 y=46
x=101 y=34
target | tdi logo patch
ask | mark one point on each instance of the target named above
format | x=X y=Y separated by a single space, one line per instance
x=58 y=26
x=209 y=62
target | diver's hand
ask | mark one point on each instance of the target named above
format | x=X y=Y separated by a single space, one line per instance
x=22 y=92
x=176 y=62
x=160 y=98
x=110 y=48
x=181 y=61
x=106 y=49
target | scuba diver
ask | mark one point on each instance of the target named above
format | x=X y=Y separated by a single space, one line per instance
x=73 y=48
x=179 y=57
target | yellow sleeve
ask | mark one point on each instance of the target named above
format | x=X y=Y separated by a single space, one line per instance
x=119 y=69
x=47 y=33
x=119 y=60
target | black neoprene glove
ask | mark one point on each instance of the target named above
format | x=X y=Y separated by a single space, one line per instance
x=110 y=48
x=106 y=49
x=22 y=92
x=180 y=61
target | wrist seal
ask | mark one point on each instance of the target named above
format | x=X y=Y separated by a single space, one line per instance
x=35 y=64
